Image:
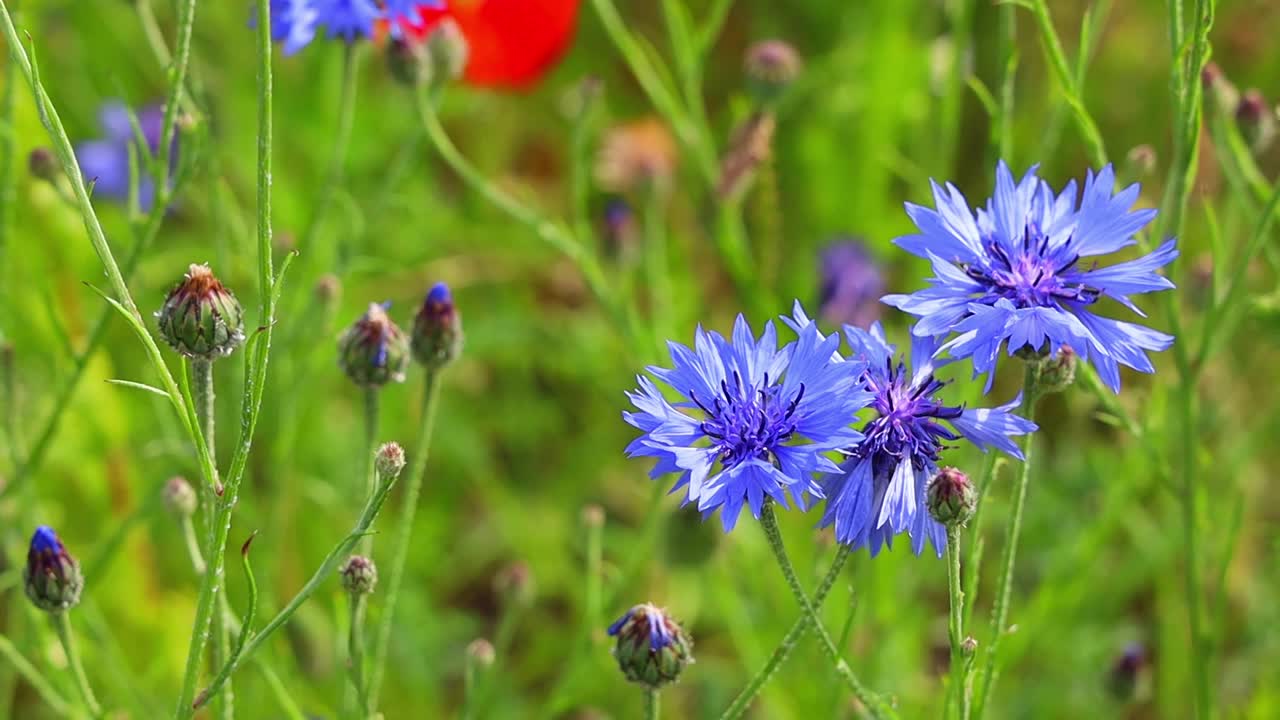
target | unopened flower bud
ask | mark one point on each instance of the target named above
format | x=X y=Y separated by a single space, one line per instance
x=437 y=329
x=1125 y=673
x=1256 y=119
x=374 y=351
x=514 y=583
x=480 y=653
x=951 y=497
x=52 y=577
x=407 y=61
x=200 y=318
x=328 y=289
x=593 y=516
x=1140 y=162
x=389 y=461
x=1058 y=371
x=447 y=51
x=359 y=575
x=1221 y=94
x=618 y=229
x=652 y=649
x=179 y=497
x=772 y=65
x=44 y=165
x=968 y=646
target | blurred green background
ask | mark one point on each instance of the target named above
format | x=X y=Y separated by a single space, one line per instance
x=530 y=431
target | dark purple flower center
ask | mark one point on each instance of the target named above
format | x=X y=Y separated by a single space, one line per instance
x=1030 y=276
x=908 y=413
x=746 y=422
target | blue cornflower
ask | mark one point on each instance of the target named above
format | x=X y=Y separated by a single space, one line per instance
x=880 y=490
x=851 y=284
x=52 y=577
x=753 y=421
x=105 y=161
x=1013 y=275
x=295 y=22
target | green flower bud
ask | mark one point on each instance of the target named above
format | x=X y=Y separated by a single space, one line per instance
x=179 y=497
x=1058 y=372
x=44 y=165
x=951 y=497
x=359 y=575
x=200 y=318
x=652 y=649
x=389 y=460
x=772 y=65
x=374 y=351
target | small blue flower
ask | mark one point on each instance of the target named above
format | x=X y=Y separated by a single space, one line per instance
x=753 y=421
x=851 y=284
x=105 y=161
x=1013 y=275
x=295 y=22
x=880 y=490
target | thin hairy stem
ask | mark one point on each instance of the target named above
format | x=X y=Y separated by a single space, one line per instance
x=68 y=639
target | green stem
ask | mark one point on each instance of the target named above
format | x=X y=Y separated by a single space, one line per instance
x=789 y=642
x=355 y=654
x=973 y=556
x=652 y=705
x=371 y=415
x=955 y=624
x=68 y=639
x=205 y=402
x=8 y=178
x=404 y=533
x=657 y=265
x=193 y=545
x=554 y=234
x=33 y=677
x=1000 y=612
x=341 y=145
x=206 y=604
x=1008 y=45
x=769 y=521
x=324 y=573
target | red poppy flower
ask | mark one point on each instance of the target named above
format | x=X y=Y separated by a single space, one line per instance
x=512 y=43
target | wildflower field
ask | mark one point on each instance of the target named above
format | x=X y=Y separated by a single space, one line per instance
x=619 y=359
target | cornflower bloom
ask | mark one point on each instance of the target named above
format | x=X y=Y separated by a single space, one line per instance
x=879 y=490
x=851 y=284
x=296 y=22
x=753 y=421
x=1012 y=275
x=105 y=161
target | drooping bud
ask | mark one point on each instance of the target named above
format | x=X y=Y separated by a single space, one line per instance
x=52 y=577
x=44 y=165
x=1256 y=119
x=1058 y=371
x=771 y=65
x=389 y=460
x=1126 y=672
x=437 y=329
x=359 y=575
x=179 y=497
x=951 y=497
x=750 y=147
x=514 y=584
x=200 y=318
x=652 y=649
x=480 y=653
x=374 y=351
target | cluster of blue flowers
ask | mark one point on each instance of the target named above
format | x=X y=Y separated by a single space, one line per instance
x=294 y=23
x=754 y=421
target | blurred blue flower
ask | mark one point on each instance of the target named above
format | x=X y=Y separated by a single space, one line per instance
x=294 y=23
x=880 y=490
x=753 y=420
x=851 y=284
x=1014 y=276
x=105 y=161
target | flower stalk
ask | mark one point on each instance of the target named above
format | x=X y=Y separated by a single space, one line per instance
x=62 y=625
